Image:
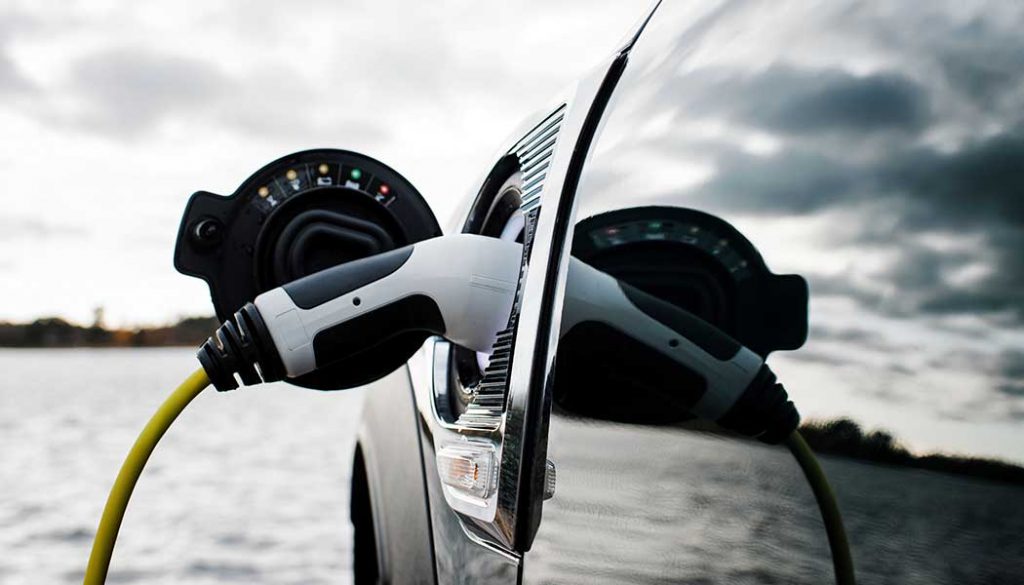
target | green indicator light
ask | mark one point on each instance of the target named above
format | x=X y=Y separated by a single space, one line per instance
x=356 y=174
x=654 y=225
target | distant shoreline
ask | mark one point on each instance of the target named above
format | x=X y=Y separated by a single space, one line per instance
x=100 y=348
x=54 y=332
x=840 y=437
x=844 y=438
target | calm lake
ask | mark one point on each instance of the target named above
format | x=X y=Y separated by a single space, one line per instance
x=713 y=510
x=251 y=486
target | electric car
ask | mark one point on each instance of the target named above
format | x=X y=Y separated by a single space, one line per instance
x=836 y=185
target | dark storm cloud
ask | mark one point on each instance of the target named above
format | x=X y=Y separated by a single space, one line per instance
x=838 y=101
x=1009 y=385
x=838 y=151
x=978 y=55
x=804 y=101
x=897 y=169
x=1011 y=365
x=796 y=181
x=887 y=368
x=919 y=280
x=795 y=101
x=854 y=335
x=128 y=90
x=977 y=190
x=983 y=180
x=980 y=182
x=1012 y=389
x=984 y=71
x=921 y=268
x=925 y=274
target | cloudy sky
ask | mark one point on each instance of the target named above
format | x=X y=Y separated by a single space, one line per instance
x=877 y=152
x=113 y=113
x=875 y=148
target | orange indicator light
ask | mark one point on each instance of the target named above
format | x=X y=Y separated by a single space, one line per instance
x=468 y=468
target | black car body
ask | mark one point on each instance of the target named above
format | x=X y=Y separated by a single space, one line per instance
x=875 y=149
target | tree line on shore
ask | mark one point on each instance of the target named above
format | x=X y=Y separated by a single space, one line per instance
x=845 y=438
x=841 y=437
x=56 y=332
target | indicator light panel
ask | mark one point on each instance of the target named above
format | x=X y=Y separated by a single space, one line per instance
x=295 y=179
x=672 y=231
x=468 y=469
x=381 y=191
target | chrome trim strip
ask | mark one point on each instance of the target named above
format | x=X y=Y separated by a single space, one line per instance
x=544 y=166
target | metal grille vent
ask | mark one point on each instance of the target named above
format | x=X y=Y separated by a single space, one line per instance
x=484 y=412
x=535 y=151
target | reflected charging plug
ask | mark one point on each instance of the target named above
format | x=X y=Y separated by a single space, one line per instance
x=701 y=368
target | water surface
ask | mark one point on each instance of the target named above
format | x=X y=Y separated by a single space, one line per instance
x=653 y=505
x=249 y=486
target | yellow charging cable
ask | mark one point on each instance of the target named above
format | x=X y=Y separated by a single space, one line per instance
x=131 y=469
x=842 y=560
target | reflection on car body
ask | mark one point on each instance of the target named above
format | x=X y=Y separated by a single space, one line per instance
x=875 y=150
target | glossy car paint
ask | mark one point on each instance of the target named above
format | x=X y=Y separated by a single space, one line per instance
x=828 y=134
x=874 y=148
x=389 y=444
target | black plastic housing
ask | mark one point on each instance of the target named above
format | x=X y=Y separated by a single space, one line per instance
x=296 y=216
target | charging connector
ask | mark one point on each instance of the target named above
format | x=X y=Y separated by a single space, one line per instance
x=460 y=286
x=241 y=346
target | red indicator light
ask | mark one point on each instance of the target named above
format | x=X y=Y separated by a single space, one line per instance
x=384 y=189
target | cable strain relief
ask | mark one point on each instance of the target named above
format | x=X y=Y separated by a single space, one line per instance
x=241 y=346
x=267 y=358
x=764 y=411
